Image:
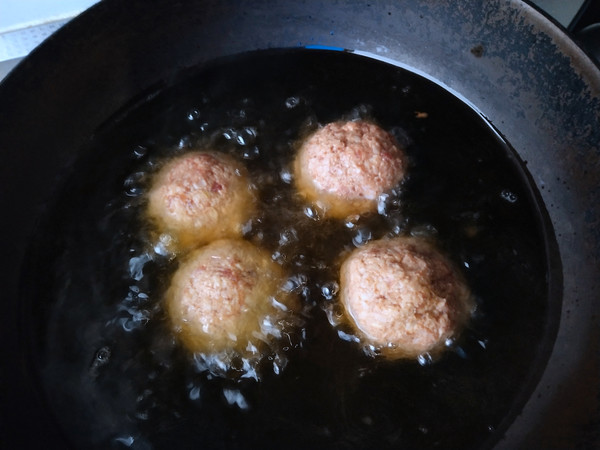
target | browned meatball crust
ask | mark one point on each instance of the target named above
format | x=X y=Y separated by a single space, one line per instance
x=200 y=197
x=344 y=167
x=227 y=296
x=403 y=296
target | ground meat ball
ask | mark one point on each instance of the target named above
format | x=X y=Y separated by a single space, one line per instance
x=227 y=296
x=344 y=166
x=200 y=197
x=403 y=296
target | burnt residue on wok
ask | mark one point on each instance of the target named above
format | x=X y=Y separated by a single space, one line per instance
x=108 y=364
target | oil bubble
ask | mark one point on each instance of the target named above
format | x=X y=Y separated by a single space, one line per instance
x=360 y=112
x=288 y=236
x=397 y=222
x=351 y=221
x=127 y=441
x=332 y=315
x=329 y=290
x=133 y=184
x=193 y=114
x=249 y=370
x=101 y=358
x=278 y=257
x=362 y=236
x=235 y=397
x=230 y=134
x=103 y=355
x=347 y=337
x=292 y=102
x=425 y=359
x=286 y=175
x=136 y=266
x=278 y=305
x=382 y=205
x=426 y=230
x=251 y=153
x=249 y=135
x=186 y=142
x=140 y=151
x=136 y=297
x=312 y=213
x=509 y=196
x=165 y=245
x=295 y=282
x=194 y=393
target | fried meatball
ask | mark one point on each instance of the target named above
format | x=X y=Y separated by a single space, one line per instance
x=227 y=296
x=201 y=196
x=344 y=167
x=403 y=296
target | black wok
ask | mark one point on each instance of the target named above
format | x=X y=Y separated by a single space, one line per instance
x=511 y=63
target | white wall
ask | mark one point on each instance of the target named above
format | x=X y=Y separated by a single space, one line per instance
x=16 y=14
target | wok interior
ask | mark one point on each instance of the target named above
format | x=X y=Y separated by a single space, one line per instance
x=108 y=363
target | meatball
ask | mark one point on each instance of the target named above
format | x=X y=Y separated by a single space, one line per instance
x=200 y=197
x=227 y=296
x=344 y=167
x=403 y=296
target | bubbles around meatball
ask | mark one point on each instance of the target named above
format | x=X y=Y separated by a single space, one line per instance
x=200 y=197
x=344 y=167
x=226 y=300
x=403 y=296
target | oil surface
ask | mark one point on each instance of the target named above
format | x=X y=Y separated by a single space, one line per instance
x=113 y=373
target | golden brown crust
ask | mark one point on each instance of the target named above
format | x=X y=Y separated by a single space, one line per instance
x=403 y=296
x=200 y=197
x=221 y=294
x=344 y=166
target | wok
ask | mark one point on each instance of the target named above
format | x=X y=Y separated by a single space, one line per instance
x=504 y=58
